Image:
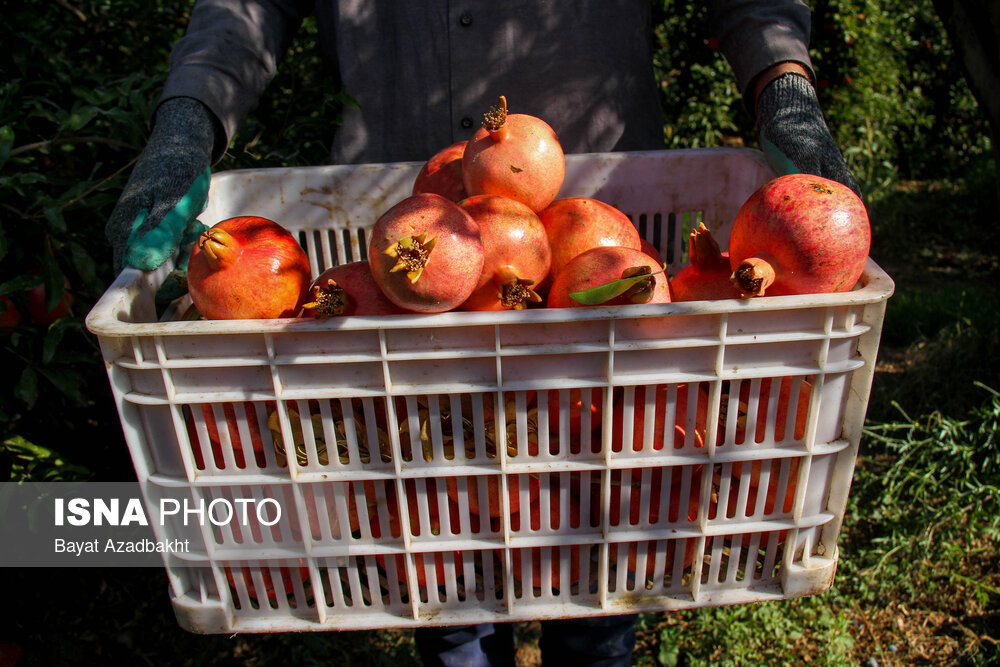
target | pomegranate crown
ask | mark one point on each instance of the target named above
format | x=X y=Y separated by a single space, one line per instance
x=496 y=117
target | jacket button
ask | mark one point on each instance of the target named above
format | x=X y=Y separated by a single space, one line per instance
x=467 y=122
x=465 y=20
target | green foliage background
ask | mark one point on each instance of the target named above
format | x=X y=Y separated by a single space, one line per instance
x=891 y=87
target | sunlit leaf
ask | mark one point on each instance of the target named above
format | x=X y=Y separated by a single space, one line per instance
x=594 y=296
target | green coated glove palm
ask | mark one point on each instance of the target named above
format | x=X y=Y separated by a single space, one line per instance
x=167 y=190
x=794 y=134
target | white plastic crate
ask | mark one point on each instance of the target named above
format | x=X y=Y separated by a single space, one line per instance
x=580 y=513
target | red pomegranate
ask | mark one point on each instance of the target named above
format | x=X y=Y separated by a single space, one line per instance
x=271 y=591
x=10 y=316
x=248 y=268
x=556 y=500
x=517 y=253
x=347 y=289
x=495 y=508
x=556 y=555
x=516 y=156
x=595 y=411
x=241 y=451
x=770 y=503
x=423 y=562
x=38 y=308
x=651 y=250
x=628 y=498
x=707 y=276
x=623 y=493
x=577 y=224
x=442 y=174
x=629 y=552
x=786 y=426
x=774 y=480
x=799 y=234
x=426 y=254
x=601 y=265
x=782 y=417
x=659 y=418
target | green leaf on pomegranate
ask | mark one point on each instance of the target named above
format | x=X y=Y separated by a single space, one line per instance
x=595 y=296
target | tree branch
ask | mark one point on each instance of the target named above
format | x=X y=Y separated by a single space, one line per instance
x=39 y=145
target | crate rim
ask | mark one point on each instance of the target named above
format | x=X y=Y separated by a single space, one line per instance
x=572 y=159
x=107 y=316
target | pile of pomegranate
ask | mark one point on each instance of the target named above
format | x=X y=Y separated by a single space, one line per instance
x=484 y=230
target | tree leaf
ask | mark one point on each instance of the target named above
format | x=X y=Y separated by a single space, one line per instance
x=80 y=117
x=84 y=264
x=53 y=278
x=26 y=448
x=53 y=336
x=68 y=383
x=6 y=143
x=54 y=215
x=26 y=388
x=20 y=283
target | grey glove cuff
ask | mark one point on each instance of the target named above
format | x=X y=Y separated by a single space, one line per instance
x=789 y=116
x=179 y=150
x=184 y=122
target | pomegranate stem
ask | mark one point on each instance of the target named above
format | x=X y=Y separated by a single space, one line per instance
x=495 y=121
x=642 y=291
x=752 y=277
x=219 y=247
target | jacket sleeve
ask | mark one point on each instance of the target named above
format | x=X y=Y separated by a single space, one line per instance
x=229 y=54
x=755 y=35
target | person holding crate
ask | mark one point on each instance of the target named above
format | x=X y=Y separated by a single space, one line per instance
x=422 y=73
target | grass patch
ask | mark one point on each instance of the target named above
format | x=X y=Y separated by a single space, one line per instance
x=921 y=548
x=936 y=343
x=917 y=581
x=767 y=633
x=927 y=493
x=922 y=314
x=929 y=233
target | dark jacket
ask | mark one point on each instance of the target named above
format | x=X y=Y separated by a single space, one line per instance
x=424 y=72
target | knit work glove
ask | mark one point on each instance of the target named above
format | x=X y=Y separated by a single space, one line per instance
x=167 y=190
x=794 y=135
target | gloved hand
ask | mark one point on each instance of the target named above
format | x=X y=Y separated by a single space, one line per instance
x=794 y=135
x=167 y=190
